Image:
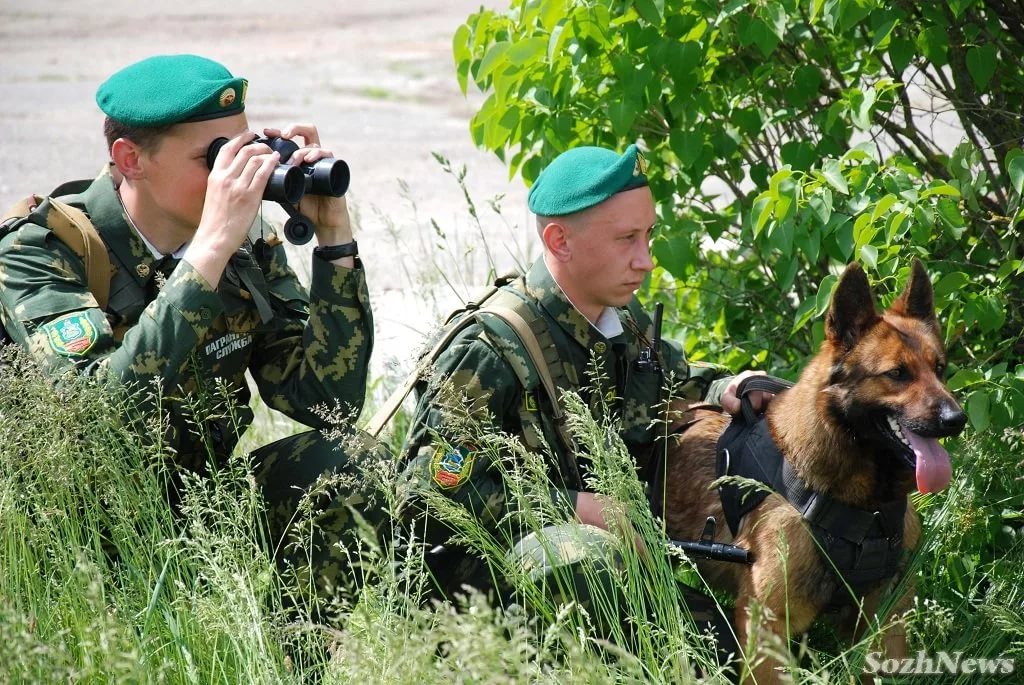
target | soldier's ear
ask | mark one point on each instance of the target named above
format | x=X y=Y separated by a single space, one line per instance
x=555 y=237
x=127 y=157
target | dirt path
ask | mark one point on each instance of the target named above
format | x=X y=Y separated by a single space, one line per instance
x=377 y=78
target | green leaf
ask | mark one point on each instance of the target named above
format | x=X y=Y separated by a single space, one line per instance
x=982 y=63
x=803 y=314
x=861 y=115
x=934 y=43
x=1015 y=167
x=943 y=189
x=952 y=217
x=951 y=282
x=1007 y=268
x=844 y=240
x=978 y=409
x=650 y=10
x=460 y=44
x=824 y=297
x=882 y=206
x=757 y=32
x=675 y=255
x=869 y=255
x=777 y=178
x=622 y=115
x=816 y=6
x=821 y=205
x=762 y=209
x=881 y=34
x=687 y=146
x=965 y=378
x=529 y=50
x=901 y=52
x=494 y=58
x=834 y=176
x=804 y=86
x=991 y=314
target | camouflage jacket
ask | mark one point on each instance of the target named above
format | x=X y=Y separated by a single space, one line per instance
x=478 y=371
x=165 y=326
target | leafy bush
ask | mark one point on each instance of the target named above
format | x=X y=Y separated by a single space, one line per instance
x=785 y=139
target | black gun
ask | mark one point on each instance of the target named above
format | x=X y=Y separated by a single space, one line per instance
x=650 y=359
x=707 y=548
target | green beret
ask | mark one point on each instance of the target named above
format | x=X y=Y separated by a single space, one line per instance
x=171 y=89
x=586 y=176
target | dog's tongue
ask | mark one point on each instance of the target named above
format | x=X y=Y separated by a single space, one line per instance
x=933 y=468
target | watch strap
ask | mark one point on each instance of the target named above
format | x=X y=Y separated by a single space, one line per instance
x=332 y=252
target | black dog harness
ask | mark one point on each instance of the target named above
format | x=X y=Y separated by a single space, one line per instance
x=864 y=546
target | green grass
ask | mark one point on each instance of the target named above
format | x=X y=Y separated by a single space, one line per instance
x=101 y=583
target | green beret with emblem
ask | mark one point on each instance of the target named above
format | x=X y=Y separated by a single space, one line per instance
x=585 y=176
x=171 y=89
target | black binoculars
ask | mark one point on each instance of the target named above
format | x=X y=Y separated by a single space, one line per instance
x=288 y=183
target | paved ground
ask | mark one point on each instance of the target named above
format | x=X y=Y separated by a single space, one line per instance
x=377 y=78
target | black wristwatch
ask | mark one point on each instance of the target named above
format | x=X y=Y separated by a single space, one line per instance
x=331 y=252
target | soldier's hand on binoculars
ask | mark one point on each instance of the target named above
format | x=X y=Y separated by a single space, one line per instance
x=329 y=214
x=234 y=189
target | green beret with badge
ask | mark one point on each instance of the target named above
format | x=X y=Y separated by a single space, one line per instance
x=586 y=176
x=171 y=89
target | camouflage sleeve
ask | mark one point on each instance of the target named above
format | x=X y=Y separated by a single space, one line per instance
x=319 y=349
x=699 y=380
x=472 y=390
x=63 y=326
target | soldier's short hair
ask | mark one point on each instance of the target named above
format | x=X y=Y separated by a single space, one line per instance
x=146 y=137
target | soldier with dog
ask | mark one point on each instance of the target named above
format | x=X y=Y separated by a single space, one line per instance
x=576 y=307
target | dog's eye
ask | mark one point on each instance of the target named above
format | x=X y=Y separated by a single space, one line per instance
x=898 y=374
x=940 y=369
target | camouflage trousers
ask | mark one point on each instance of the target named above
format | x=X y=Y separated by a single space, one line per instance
x=312 y=485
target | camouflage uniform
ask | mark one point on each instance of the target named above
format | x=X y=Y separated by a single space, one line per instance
x=484 y=363
x=165 y=326
x=480 y=364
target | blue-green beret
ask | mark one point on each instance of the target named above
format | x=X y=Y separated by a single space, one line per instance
x=585 y=176
x=171 y=89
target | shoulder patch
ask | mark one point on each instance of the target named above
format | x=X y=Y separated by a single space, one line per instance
x=71 y=335
x=449 y=468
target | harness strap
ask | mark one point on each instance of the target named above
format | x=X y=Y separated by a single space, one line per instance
x=751 y=384
x=839 y=519
x=863 y=546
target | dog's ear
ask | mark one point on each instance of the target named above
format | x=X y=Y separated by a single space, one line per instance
x=852 y=311
x=917 y=300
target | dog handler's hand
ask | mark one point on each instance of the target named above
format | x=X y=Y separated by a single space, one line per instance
x=600 y=511
x=759 y=399
x=234 y=191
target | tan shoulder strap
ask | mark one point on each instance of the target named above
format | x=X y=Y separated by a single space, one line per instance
x=395 y=400
x=73 y=228
x=514 y=320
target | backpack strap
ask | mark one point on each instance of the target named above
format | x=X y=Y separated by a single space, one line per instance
x=507 y=307
x=73 y=228
x=454 y=324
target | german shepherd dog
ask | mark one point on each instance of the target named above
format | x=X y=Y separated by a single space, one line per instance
x=861 y=425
